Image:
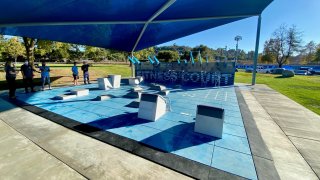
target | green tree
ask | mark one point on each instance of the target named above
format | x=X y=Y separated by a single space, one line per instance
x=2 y=41
x=309 y=52
x=317 y=56
x=266 y=58
x=75 y=52
x=205 y=51
x=143 y=54
x=284 y=43
x=168 y=55
x=117 y=56
x=60 y=51
x=13 y=48
x=29 y=44
x=95 y=53
x=44 y=47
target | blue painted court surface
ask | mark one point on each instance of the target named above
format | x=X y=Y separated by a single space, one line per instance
x=172 y=133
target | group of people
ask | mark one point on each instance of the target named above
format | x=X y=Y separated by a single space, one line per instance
x=75 y=73
x=27 y=71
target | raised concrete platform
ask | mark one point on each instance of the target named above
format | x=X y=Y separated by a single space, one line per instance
x=32 y=147
x=276 y=152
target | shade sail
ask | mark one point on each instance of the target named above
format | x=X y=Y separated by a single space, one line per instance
x=120 y=24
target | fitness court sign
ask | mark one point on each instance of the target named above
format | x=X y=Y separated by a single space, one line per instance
x=208 y=74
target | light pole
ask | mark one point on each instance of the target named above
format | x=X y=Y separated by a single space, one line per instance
x=237 y=38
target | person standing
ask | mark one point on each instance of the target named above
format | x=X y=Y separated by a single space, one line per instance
x=27 y=75
x=85 y=69
x=75 y=73
x=11 y=75
x=45 y=74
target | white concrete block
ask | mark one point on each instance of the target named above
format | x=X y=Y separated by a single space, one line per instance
x=104 y=83
x=115 y=80
x=65 y=96
x=209 y=121
x=103 y=97
x=140 y=78
x=133 y=81
x=80 y=92
x=151 y=107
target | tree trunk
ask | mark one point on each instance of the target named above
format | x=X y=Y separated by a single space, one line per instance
x=29 y=44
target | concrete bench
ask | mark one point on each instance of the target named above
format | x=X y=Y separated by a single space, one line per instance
x=80 y=92
x=65 y=96
x=151 y=107
x=209 y=121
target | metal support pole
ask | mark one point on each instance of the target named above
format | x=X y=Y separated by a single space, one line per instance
x=132 y=67
x=256 y=53
x=236 y=52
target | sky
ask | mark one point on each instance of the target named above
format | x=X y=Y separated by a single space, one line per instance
x=304 y=14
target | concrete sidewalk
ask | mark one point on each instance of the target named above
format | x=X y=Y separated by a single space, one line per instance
x=290 y=131
x=32 y=147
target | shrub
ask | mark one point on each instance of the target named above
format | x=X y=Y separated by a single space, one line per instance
x=287 y=73
x=168 y=55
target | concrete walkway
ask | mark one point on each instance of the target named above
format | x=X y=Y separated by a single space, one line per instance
x=32 y=147
x=290 y=131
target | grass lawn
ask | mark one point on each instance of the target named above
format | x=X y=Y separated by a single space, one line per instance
x=305 y=90
x=302 y=89
x=61 y=73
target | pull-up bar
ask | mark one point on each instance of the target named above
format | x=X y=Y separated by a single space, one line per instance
x=150 y=60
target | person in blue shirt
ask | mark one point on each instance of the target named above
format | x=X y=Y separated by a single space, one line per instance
x=11 y=75
x=45 y=75
x=75 y=73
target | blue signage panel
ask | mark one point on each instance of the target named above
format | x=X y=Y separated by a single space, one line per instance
x=205 y=74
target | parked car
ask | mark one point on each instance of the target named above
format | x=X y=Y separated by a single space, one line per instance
x=309 y=69
x=302 y=72
x=262 y=69
x=249 y=70
x=317 y=70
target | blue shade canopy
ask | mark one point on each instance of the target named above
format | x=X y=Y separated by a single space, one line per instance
x=120 y=24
